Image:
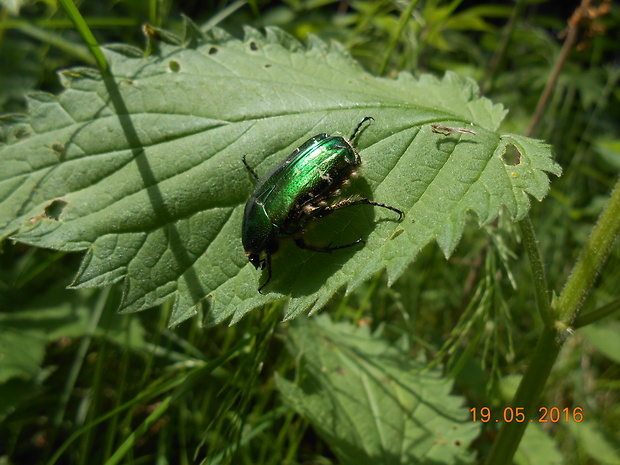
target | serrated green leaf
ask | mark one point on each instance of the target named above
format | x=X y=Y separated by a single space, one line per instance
x=370 y=402
x=537 y=448
x=18 y=359
x=144 y=172
x=604 y=337
x=26 y=333
x=595 y=443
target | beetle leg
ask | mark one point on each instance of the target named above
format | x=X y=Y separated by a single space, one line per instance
x=303 y=245
x=324 y=211
x=250 y=169
x=268 y=262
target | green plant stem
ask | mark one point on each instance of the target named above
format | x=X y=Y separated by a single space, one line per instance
x=538 y=271
x=140 y=431
x=87 y=35
x=567 y=46
x=56 y=40
x=486 y=84
x=78 y=361
x=181 y=384
x=222 y=14
x=154 y=13
x=527 y=397
x=565 y=311
x=404 y=18
x=49 y=23
x=592 y=258
x=584 y=319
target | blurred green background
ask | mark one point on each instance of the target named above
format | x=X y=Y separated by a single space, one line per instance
x=74 y=362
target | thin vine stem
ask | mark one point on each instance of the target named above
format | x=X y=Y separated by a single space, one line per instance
x=487 y=82
x=87 y=35
x=565 y=310
x=562 y=313
x=585 y=319
x=572 y=33
x=404 y=19
x=527 y=398
x=590 y=261
x=539 y=276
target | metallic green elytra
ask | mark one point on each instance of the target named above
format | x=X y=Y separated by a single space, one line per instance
x=296 y=191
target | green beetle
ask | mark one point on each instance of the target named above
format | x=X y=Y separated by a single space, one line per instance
x=296 y=191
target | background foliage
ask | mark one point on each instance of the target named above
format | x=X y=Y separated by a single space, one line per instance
x=83 y=384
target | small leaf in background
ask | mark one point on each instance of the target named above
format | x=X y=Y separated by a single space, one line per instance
x=605 y=338
x=19 y=360
x=26 y=333
x=598 y=445
x=537 y=448
x=370 y=401
x=143 y=171
x=609 y=150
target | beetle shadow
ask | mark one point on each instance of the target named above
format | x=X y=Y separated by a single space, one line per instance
x=448 y=143
x=298 y=272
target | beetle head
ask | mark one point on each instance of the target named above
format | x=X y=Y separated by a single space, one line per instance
x=269 y=247
x=256 y=260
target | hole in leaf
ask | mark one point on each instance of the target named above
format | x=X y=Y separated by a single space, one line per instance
x=21 y=133
x=213 y=51
x=54 y=209
x=174 y=66
x=457 y=443
x=253 y=46
x=58 y=148
x=511 y=155
x=267 y=65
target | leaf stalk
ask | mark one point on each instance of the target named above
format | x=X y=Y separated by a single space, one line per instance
x=87 y=35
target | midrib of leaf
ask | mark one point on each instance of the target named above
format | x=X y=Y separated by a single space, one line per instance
x=156 y=196
x=378 y=403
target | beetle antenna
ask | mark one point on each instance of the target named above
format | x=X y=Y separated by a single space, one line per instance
x=268 y=259
x=366 y=118
x=249 y=168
